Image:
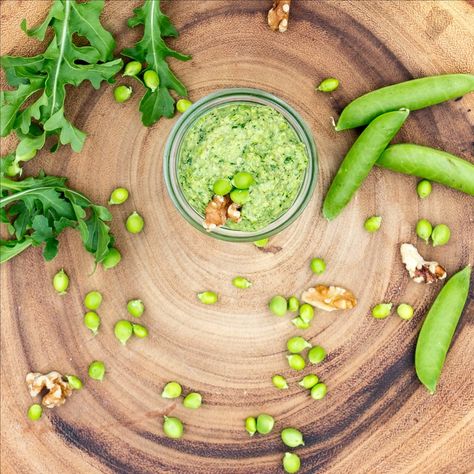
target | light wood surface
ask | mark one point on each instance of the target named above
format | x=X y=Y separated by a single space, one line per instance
x=376 y=418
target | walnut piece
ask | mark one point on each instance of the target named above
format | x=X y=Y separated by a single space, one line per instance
x=219 y=209
x=329 y=298
x=58 y=389
x=420 y=270
x=278 y=15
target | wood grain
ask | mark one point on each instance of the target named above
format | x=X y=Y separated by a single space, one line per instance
x=376 y=417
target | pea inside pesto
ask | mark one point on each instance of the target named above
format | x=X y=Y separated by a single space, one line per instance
x=243 y=138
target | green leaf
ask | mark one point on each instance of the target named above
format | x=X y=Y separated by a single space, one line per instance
x=50 y=250
x=42 y=230
x=12 y=248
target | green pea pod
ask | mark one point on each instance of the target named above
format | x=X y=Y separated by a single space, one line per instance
x=360 y=159
x=429 y=163
x=413 y=95
x=438 y=328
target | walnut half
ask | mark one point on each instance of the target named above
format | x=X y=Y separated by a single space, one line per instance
x=278 y=15
x=58 y=389
x=420 y=270
x=329 y=298
x=219 y=209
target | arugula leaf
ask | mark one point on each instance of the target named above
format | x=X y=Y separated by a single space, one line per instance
x=35 y=109
x=153 y=50
x=39 y=209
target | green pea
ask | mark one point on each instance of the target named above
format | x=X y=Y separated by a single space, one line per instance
x=61 y=282
x=93 y=300
x=291 y=463
x=182 y=105
x=296 y=362
x=423 y=188
x=118 y=196
x=208 y=297
x=240 y=196
x=151 y=79
x=13 y=170
x=292 y=437
x=251 y=425
x=222 y=187
x=319 y=391
x=97 y=370
x=134 y=223
x=173 y=427
x=243 y=180
x=261 y=243
x=140 y=331
x=297 y=344
x=192 y=400
x=132 y=68
x=171 y=390
x=318 y=266
x=293 y=304
x=405 y=311
x=309 y=381
x=316 y=354
x=136 y=308
x=265 y=423
x=328 y=85
x=372 y=224
x=278 y=305
x=35 y=412
x=122 y=93
x=424 y=229
x=241 y=282
x=74 y=381
x=92 y=321
x=381 y=310
x=123 y=330
x=299 y=323
x=306 y=312
x=111 y=259
x=441 y=235
x=279 y=382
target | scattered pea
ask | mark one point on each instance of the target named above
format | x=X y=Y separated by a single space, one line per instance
x=293 y=304
x=123 y=330
x=192 y=400
x=240 y=196
x=241 y=282
x=265 y=423
x=111 y=259
x=208 y=297
x=261 y=242
x=382 y=310
x=372 y=224
x=405 y=311
x=92 y=321
x=318 y=266
x=316 y=354
x=151 y=79
x=118 y=196
x=222 y=187
x=182 y=105
x=74 y=381
x=424 y=188
x=35 y=412
x=297 y=344
x=93 y=300
x=292 y=437
x=441 y=235
x=173 y=427
x=171 y=390
x=132 y=68
x=278 y=305
x=279 y=382
x=296 y=362
x=309 y=381
x=242 y=180
x=97 y=370
x=122 y=93
x=134 y=223
x=291 y=463
x=424 y=229
x=319 y=391
x=306 y=312
x=328 y=85
x=251 y=425
x=139 y=331
x=299 y=323
x=61 y=282
x=136 y=308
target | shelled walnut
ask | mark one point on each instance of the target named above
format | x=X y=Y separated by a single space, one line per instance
x=329 y=298
x=278 y=15
x=58 y=389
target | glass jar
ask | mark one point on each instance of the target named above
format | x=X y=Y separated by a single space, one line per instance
x=238 y=96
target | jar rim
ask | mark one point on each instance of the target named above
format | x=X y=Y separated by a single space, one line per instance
x=217 y=99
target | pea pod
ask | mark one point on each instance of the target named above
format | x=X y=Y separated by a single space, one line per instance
x=413 y=95
x=360 y=159
x=438 y=328
x=429 y=163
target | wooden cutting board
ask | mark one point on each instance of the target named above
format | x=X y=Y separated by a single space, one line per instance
x=376 y=418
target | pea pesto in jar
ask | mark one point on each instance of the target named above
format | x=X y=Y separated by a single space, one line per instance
x=235 y=138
